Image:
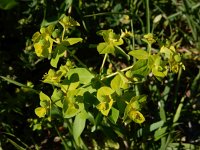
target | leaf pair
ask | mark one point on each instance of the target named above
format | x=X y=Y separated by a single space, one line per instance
x=46 y=102
x=148 y=63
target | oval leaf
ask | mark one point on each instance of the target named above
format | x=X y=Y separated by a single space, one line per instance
x=84 y=75
x=139 y=54
x=105 y=48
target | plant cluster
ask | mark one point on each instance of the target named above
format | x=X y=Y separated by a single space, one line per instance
x=79 y=91
x=111 y=78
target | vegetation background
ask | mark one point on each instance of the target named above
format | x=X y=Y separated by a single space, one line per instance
x=178 y=21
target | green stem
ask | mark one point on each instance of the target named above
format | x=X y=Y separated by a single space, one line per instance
x=137 y=91
x=133 y=39
x=147 y=16
x=103 y=63
x=65 y=145
x=63 y=33
x=77 y=59
x=115 y=73
x=177 y=85
x=149 y=49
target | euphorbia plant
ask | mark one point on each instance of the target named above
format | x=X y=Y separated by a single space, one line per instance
x=83 y=94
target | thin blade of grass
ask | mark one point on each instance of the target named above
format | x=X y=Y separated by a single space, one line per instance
x=18 y=83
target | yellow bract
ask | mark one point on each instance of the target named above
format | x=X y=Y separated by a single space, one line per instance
x=38 y=49
x=40 y=112
x=105 y=106
x=136 y=116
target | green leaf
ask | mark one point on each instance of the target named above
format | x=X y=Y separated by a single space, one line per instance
x=119 y=81
x=44 y=100
x=72 y=41
x=57 y=97
x=184 y=146
x=71 y=111
x=139 y=54
x=84 y=75
x=114 y=115
x=119 y=50
x=156 y=125
x=14 y=82
x=136 y=101
x=70 y=83
x=159 y=133
x=158 y=73
x=168 y=53
x=7 y=4
x=40 y=112
x=79 y=125
x=162 y=111
x=59 y=52
x=178 y=110
x=36 y=36
x=18 y=84
x=17 y=146
x=116 y=82
x=105 y=48
x=141 y=68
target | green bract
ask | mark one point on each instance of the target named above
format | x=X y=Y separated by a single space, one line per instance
x=111 y=41
x=68 y=21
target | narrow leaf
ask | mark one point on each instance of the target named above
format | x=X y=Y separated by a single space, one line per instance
x=17 y=146
x=156 y=125
x=79 y=125
x=178 y=111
